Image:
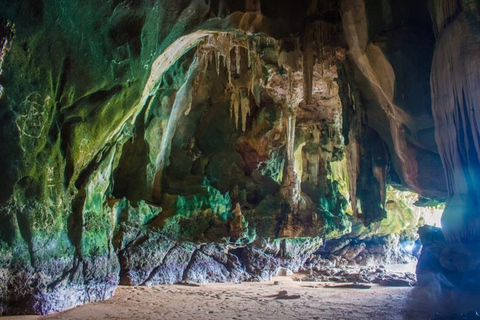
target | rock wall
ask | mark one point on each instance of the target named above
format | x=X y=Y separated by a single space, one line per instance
x=450 y=258
x=390 y=47
x=455 y=99
x=73 y=81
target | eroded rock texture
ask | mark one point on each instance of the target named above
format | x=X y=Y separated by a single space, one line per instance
x=454 y=82
x=455 y=100
x=155 y=142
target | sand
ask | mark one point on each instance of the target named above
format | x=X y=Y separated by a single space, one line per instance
x=279 y=299
x=302 y=300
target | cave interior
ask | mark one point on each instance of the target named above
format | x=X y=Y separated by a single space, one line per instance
x=155 y=142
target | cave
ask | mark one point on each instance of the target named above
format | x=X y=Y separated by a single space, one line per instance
x=163 y=143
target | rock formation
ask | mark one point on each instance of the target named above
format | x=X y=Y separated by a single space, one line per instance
x=155 y=142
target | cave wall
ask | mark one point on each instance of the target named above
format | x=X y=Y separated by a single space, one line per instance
x=449 y=259
x=455 y=100
x=73 y=76
x=153 y=142
x=391 y=47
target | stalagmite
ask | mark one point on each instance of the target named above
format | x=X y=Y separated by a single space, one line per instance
x=238 y=223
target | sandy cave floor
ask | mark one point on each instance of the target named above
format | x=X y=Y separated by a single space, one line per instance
x=302 y=300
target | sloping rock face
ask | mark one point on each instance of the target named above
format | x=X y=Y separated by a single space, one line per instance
x=391 y=47
x=454 y=84
x=455 y=103
x=154 y=142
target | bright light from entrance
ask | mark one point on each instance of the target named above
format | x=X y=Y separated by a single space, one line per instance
x=432 y=217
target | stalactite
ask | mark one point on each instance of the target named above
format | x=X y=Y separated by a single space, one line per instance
x=380 y=77
x=252 y=6
x=312 y=8
x=220 y=45
x=217 y=63
x=249 y=52
x=252 y=81
x=231 y=107
x=211 y=56
x=442 y=12
x=237 y=58
x=240 y=88
x=290 y=135
x=229 y=59
x=245 y=105
x=308 y=61
x=353 y=160
x=367 y=163
x=309 y=39
x=235 y=105
x=289 y=60
x=239 y=107
x=316 y=134
x=322 y=33
x=313 y=159
x=289 y=96
x=291 y=182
